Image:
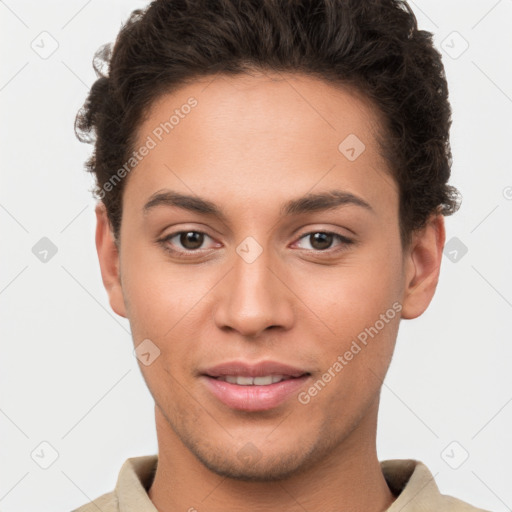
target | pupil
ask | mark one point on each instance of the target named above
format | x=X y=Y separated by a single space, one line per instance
x=324 y=239
x=191 y=240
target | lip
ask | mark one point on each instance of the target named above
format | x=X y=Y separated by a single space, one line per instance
x=240 y=368
x=254 y=398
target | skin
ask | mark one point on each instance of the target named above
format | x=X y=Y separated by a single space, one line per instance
x=251 y=144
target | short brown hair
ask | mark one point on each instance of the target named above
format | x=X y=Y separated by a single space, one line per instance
x=372 y=45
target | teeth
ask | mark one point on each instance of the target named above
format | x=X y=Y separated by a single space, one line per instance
x=253 y=381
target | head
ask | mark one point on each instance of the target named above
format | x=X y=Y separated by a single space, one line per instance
x=312 y=142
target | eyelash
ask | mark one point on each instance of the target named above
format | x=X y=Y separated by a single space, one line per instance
x=188 y=252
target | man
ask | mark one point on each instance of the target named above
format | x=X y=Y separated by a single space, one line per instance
x=272 y=178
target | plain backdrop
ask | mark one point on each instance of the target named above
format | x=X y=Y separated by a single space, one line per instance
x=68 y=377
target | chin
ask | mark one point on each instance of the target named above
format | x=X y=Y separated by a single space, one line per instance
x=266 y=469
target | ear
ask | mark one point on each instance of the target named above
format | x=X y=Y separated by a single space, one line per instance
x=108 y=256
x=422 y=266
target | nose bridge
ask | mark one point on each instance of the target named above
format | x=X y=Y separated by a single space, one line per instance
x=252 y=298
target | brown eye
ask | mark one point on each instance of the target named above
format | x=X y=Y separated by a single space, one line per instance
x=323 y=240
x=191 y=240
x=183 y=241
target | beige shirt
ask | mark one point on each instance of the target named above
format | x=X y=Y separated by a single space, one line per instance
x=410 y=480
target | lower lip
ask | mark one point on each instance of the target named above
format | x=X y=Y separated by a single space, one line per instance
x=254 y=398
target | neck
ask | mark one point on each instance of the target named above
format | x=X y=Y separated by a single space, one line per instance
x=349 y=478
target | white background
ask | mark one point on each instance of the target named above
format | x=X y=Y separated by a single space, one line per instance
x=67 y=371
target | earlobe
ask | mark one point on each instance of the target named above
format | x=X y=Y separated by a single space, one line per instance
x=423 y=264
x=108 y=256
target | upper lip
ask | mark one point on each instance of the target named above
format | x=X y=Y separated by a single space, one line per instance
x=241 y=368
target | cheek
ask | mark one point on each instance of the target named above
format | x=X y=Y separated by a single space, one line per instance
x=359 y=302
x=158 y=294
x=355 y=359
x=166 y=304
x=351 y=297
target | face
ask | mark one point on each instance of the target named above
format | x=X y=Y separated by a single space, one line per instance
x=288 y=251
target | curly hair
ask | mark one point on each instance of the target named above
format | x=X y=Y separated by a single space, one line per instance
x=372 y=45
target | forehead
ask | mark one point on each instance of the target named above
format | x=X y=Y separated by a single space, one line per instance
x=261 y=135
x=262 y=104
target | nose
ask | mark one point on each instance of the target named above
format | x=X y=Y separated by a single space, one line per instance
x=254 y=297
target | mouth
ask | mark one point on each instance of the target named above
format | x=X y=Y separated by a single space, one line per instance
x=258 y=387
x=265 y=380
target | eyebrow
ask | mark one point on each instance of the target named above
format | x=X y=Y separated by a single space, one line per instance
x=306 y=204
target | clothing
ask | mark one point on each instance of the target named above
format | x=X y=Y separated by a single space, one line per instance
x=408 y=479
